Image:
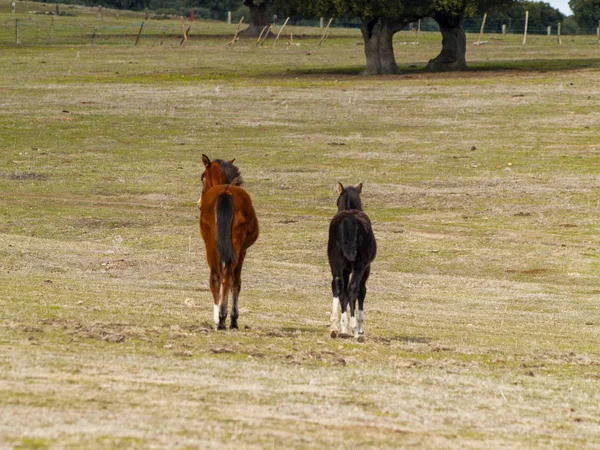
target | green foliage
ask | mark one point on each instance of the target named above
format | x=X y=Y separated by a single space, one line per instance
x=250 y=3
x=541 y=15
x=570 y=26
x=587 y=13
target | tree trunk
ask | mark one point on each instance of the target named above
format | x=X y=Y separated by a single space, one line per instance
x=259 y=18
x=454 y=45
x=379 y=48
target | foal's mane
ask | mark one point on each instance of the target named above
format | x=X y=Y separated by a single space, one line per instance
x=231 y=172
x=349 y=199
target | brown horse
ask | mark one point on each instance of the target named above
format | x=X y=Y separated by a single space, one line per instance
x=228 y=226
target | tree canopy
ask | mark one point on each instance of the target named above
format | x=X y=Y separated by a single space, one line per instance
x=587 y=13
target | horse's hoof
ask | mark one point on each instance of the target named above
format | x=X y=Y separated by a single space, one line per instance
x=333 y=333
x=221 y=327
x=344 y=335
x=360 y=338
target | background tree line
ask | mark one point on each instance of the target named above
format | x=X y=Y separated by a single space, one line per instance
x=541 y=14
x=378 y=20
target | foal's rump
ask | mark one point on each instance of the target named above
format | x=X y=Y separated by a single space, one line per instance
x=350 y=237
x=350 y=234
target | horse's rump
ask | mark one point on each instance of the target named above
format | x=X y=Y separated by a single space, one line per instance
x=349 y=237
x=224 y=210
x=351 y=232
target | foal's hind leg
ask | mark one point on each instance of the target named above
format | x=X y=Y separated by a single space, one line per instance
x=354 y=292
x=215 y=285
x=344 y=304
x=226 y=279
x=236 y=287
x=362 y=293
x=339 y=286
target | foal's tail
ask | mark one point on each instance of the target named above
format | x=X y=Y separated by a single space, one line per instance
x=224 y=220
x=350 y=238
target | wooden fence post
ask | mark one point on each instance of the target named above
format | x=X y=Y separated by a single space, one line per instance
x=481 y=30
x=558 y=34
x=14 y=8
x=229 y=17
x=262 y=32
x=548 y=30
x=280 y=30
x=504 y=29
x=325 y=33
x=184 y=40
x=525 y=32
x=237 y=30
x=17 y=31
x=52 y=30
x=418 y=30
x=139 y=34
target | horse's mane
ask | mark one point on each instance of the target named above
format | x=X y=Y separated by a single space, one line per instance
x=230 y=172
x=350 y=199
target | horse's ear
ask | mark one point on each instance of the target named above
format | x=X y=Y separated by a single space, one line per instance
x=205 y=160
x=232 y=161
x=359 y=188
x=340 y=188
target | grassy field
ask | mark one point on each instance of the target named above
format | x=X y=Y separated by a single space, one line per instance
x=482 y=315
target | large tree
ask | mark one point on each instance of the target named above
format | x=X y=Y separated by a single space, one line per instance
x=449 y=15
x=380 y=20
x=259 y=17
x=587 y=13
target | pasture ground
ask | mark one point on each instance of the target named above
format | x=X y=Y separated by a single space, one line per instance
x=482 y=313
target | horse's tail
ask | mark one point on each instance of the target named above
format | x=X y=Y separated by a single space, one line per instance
x=350 y=237
x=224 y=220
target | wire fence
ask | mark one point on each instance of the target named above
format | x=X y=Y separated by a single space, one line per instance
x=48 y=31
x=58 y=30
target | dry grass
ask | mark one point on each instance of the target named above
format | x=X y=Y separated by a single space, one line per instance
x=482 y=313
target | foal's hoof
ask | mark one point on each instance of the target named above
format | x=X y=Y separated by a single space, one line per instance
x=221 y=326
x=360 y=338
x=333 y=333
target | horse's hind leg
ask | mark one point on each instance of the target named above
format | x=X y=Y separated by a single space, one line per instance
x=337 y=289
x=226 y=280
x=215 y=285
x=362 y=293
x=354 y=293
x=344 y=304
x=236 y=287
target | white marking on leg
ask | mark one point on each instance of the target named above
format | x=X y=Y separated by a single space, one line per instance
x=353 y=328
x=335 y=304
x=216 y=314
x=344 y=322
x=361 y=322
